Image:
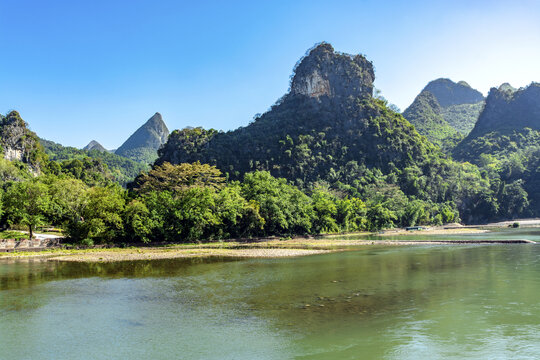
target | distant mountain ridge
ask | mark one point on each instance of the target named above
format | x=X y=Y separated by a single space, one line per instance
x=143 y=144
x=426 y=114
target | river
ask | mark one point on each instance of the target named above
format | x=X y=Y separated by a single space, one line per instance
x=413 y=302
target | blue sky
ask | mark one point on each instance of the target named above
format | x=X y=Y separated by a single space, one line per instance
x=83 y=70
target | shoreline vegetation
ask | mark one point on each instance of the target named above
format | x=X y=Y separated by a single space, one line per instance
x=261 y=248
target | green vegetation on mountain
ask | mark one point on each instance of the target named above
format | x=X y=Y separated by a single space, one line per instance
x=327 y=157
x=142 y=146
x=505 y=143
x=462 y=117
x=445 y=111
x=20 y=144
x=426 y=115
x=93 y=166
x=329 y=130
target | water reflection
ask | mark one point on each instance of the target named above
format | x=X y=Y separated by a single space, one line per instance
x=395 y=303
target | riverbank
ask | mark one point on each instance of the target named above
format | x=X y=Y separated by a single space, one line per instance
x=269 y=248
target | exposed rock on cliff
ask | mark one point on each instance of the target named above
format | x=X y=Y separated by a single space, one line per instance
x=19 y=143
x=326 y=72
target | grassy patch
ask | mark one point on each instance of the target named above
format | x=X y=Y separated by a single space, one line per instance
x=10 y=234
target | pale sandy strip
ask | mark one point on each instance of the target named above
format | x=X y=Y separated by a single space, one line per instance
x=104 y=256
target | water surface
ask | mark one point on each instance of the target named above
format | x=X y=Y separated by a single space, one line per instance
x=414 y=302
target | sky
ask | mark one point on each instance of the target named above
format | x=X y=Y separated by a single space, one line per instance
x=83 y=70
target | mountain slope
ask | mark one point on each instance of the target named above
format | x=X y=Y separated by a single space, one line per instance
x=119 y=168
x=143 y=144
x=452 y=111
x=506 y=143
x=426 y=115
x=329 y=129
x=510 y=121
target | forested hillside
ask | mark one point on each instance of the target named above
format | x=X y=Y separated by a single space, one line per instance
x=506 y=143
x=327 y=157
x=114 y=167
x=445 y=111
x=330 y=130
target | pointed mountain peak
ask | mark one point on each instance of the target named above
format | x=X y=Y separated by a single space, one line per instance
x=145 y=142
x=94 y=145
x=325 y=72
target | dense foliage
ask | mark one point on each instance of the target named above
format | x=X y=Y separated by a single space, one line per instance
x=200 y=206
x=462 y=117
x=505 y=144
x=93 y=164
x=370 y=150
x=426 y=115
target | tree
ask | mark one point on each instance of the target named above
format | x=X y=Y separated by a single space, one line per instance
x=27 y=203
x=100 y=216
x=180 y=177
x=284 y=208
x=325 y=210
x=380 y=217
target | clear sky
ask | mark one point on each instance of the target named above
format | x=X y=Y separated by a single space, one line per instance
x=98 y=69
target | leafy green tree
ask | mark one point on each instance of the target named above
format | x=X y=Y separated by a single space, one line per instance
x=139 y=225
x=100 y=218
x=68 y=198
x=284 y=208
x=325 y=211
x=180 y=177
x=351 y=214
x=514 y=199
x=380 y=217
x=238 y=216
x=27 y=203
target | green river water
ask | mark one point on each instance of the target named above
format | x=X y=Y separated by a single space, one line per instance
x=413 y=302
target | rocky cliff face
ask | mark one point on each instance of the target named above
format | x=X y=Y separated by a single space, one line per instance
x=143 y=144
x=325 y=72
x=19 y=143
